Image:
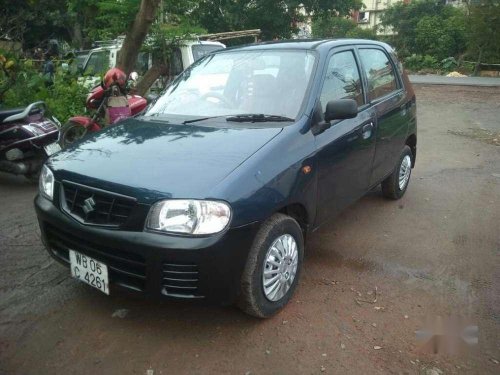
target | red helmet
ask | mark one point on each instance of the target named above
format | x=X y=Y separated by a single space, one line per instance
x=114 y=76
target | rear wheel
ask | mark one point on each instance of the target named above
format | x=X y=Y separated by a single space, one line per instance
x=394 y=186
x=273 y=267
x=71 y=132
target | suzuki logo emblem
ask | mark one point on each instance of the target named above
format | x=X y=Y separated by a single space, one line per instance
x=88 y=205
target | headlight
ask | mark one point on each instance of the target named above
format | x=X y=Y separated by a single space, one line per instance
x=46 y=183
x=189 y=216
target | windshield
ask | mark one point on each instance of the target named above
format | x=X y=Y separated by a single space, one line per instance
x=265 y=82
x=97 y=64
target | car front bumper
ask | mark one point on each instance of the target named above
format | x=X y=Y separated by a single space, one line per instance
x=153 y=264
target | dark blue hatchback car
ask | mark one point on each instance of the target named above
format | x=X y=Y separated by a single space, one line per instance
x=211 y=192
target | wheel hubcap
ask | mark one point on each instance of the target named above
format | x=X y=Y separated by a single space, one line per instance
x=280 y=267
x=404 y=172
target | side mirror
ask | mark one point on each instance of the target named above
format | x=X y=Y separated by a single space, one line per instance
x=341 y=109
x=79 y=68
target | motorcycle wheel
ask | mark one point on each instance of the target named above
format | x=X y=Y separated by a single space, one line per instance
x=71 y=132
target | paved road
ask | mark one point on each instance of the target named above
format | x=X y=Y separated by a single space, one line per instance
x=434 y=252
x=461 y=81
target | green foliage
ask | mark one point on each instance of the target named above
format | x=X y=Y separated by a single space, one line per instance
x=359 y=33
x=483 y=31
x=449 y=64
x=33 y=22
x=274 y=18
x=64 y=98
x=426 y=27
x=339 y=27
x=440 y=37
x=79 y=22
x=416 y=63
x=332 y=27
x=164 y=38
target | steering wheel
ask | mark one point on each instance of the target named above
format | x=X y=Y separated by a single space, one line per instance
x=216 y=95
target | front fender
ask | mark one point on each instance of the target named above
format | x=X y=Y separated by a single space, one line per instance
x=273 y=178
x=85 y=122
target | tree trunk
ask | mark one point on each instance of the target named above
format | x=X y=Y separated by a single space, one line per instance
x=77 y=35
x=135 y=37
x=478 y=64
x=150 y=77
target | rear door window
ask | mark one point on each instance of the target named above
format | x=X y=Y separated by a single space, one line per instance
x=379 y=73
x=342 y=79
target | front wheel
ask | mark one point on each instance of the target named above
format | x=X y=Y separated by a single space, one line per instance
x=273 y=267
x=394 y=186
x=71 y=132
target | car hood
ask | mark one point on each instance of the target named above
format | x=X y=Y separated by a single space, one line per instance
x=151 y=160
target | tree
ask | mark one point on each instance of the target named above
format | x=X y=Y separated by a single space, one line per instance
x=162 y=42
x=276 y=19
x=483 y=31
x=138 y=32
x=440 y=37
x=90 y=20
x=426 y=27
x=332 y=27
x=339 y=27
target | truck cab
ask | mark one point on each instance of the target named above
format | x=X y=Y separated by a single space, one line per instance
x=105 y=56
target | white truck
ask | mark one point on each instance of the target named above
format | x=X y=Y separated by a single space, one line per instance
x=104 y=57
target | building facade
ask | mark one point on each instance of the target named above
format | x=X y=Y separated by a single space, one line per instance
x=369 y=16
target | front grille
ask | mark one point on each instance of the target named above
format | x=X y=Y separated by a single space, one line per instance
x=94 y=206
x=180 y=280
x=125 y=268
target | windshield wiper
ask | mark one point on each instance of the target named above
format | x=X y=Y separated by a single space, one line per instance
x=258 y=117
x=199 y=119
x=251 y=117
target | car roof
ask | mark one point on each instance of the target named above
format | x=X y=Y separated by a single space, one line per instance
x=309 y=44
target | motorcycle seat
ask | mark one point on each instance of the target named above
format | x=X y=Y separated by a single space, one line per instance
x=4 y=113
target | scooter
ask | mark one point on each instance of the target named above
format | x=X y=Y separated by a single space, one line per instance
x=109 y=105
x=27 y=137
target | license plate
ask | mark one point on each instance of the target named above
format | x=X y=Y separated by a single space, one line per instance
x=89 y=270
x=52 y=148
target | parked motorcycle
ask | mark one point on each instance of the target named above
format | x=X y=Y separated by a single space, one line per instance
x=110 y=101
x=27 y=137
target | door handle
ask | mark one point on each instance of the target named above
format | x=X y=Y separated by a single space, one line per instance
x=366 y=130
x=403 y=108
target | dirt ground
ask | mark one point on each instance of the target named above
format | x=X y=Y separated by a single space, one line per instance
x=435 y=252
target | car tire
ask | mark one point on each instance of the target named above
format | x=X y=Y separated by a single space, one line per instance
x=276 y=234
x=394 y=186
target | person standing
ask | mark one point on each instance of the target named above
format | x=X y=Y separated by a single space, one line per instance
x=48 y=70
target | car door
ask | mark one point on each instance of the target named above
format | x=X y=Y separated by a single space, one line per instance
x=387 y=98
x=345 y=150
